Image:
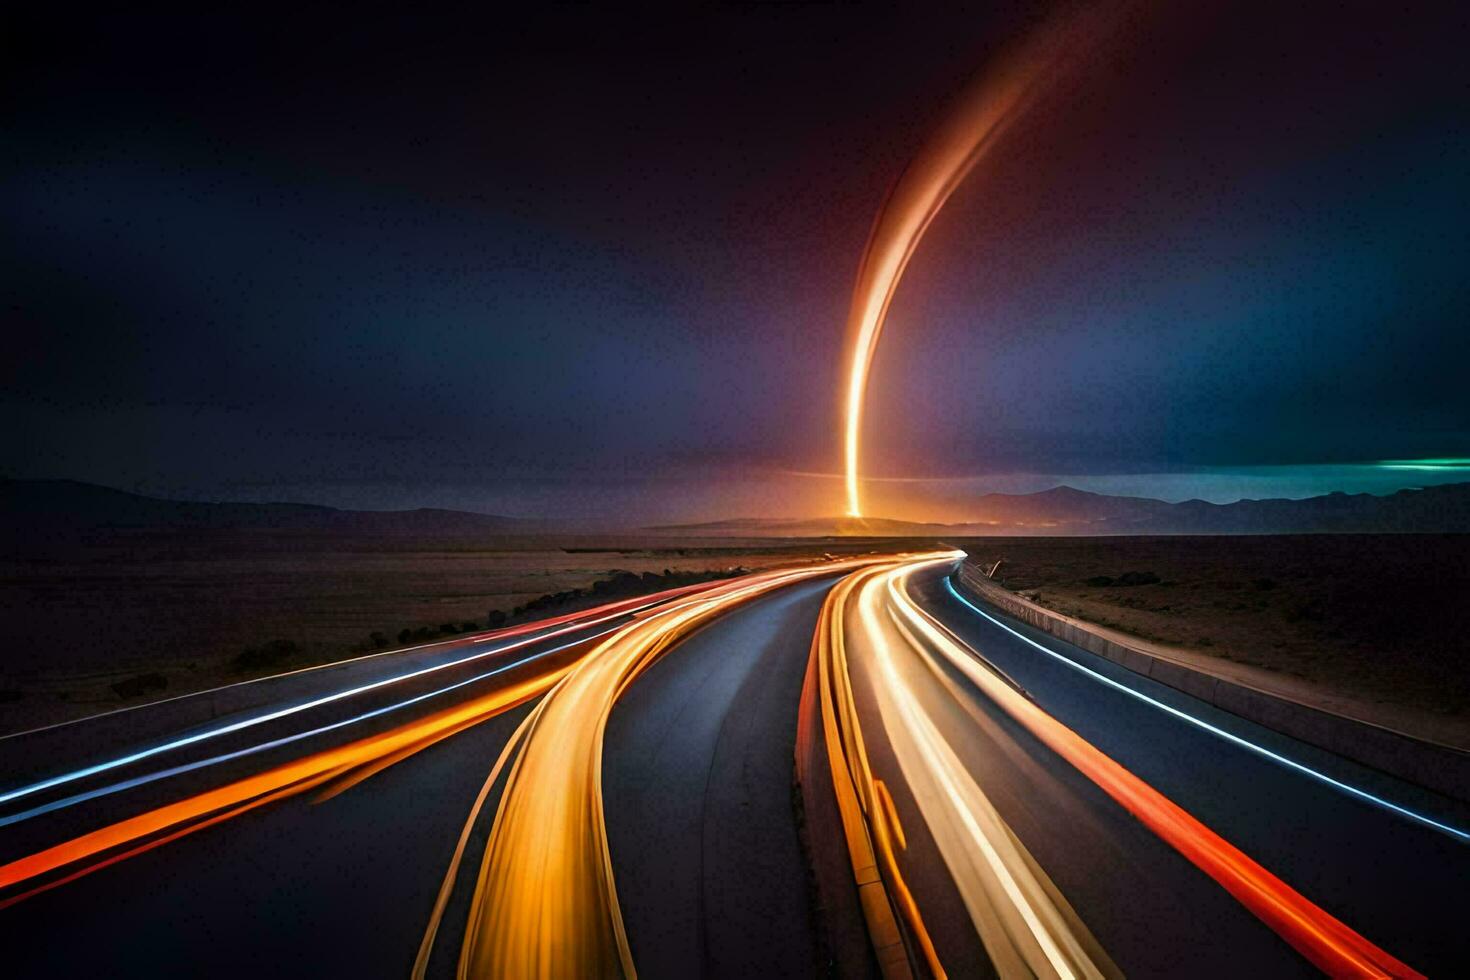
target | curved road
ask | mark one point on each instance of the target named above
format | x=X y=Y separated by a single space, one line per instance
x=1393 y=879
x=966 y=715
x=1014 y=794
x=697 y=786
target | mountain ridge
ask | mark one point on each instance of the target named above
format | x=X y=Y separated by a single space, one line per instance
x=76 y=504
x=49 y=505
x=1067 y=510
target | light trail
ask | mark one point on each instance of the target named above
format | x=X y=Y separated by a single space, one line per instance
x=1230 y=737
x=153 y=777
x=157 y=842
x=545 y=902
x=969 y=131
x=338 y=768
x=1324 y=940
x=446 y=888
x=285 y=780
x=870 y=824
x=1026 y=926
x=578 y=621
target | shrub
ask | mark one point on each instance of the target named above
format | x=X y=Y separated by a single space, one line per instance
x=1307 y=610
x=404 y=635
x=618 y=582
x=141 y=684
x=264 y=657
x=1100 y=581
x=495 y=618
x=1138 y=578
x=379 y=639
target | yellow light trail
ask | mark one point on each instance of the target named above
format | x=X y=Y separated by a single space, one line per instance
x=338 y=768
x=545 y=902
x=285 y=780
x=966 y=134
x=1023 y=921
x=870 y=823
x=1025 y=924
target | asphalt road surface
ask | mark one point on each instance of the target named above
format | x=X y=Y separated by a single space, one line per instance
x=1397 y=881
x=344 y=886
x=318 y=833
x=697 y=787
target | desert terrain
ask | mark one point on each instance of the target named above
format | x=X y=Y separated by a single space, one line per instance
x=1377 y=617
x=1382 y=618
x=101 y=608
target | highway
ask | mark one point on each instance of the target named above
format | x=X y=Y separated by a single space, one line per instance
x=314 y=835
x=697 y=789
x=612 y=793
x=296 y=886
x=1065 y=826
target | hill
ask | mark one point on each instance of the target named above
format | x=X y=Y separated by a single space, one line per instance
x=1068 y=511
x=47 y=505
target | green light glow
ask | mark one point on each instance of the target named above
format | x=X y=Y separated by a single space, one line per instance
x=1440 y=464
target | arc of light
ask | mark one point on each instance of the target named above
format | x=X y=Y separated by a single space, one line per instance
x=966 y=134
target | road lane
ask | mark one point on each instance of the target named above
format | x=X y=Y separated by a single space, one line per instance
x=698 y=796
x=546 y=901
x=339 y=888
x=60 y=755
x=1148 y=907
x=308 y=885
x=1181 y=851
x=238 y=766
x=1394 y=879
x=62 y=782
x=322 y=871
x=695 y=793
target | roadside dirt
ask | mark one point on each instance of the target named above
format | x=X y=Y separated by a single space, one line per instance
x=1383 y=618
x=134 y=607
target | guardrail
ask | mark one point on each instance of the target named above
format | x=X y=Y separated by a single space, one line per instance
x=1441 y=768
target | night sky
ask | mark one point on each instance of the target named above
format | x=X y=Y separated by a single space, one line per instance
x=599 y=265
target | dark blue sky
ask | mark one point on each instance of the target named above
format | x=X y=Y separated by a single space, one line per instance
x=600 y=265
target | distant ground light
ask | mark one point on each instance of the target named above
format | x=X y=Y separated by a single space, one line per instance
x=1223 y=485
x=1449 y=463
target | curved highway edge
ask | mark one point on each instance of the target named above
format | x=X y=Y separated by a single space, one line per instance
x=95 y=811
x=971 y=797
x=88 y=797
x=1006 y=805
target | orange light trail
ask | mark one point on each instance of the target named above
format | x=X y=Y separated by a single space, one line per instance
x=967 y=133
x=545 y=903
x=349 y=764
x=870 y=824
x=1324 y=940
x=284 y=780
x=1026 y=927
x=542 y=629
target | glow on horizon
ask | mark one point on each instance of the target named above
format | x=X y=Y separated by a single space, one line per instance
x=966 y=134
x=1437 y=465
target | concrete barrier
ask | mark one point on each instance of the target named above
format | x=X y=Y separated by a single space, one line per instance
x=1441 y=768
